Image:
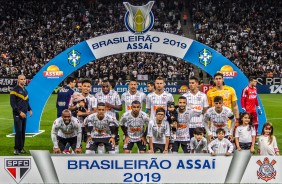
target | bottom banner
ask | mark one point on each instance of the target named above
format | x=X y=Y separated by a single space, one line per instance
x=137 y=168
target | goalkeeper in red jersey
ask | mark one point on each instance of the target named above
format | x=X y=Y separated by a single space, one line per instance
x=249 y=101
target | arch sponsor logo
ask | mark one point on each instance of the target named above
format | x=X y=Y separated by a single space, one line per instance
x=228 y=71
x=53 y=71
x=139 y=19
x=183 y=89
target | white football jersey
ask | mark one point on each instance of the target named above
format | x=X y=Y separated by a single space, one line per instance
x=135 y=125
x=158 y=133
x=218 y=120
x=197 y=102
x=100 y=127
x=91 y=102
x=60 y=129
x=220 y=146
x=182 y=129
x=112 y=98
x=245 y=133
x=127 y=99
x=155 y=101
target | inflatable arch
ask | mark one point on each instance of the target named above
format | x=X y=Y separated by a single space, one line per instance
x=56 y=70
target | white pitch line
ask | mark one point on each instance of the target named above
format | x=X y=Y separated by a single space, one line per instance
x=274 y=118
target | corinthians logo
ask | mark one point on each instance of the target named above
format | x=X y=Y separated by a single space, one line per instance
x=266 y=170
x=139 y=19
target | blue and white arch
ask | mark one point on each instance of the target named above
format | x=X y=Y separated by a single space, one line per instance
x=48 y=78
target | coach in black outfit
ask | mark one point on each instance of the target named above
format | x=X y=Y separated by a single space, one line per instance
x=20 y=105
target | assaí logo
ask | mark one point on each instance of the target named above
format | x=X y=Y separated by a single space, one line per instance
x=139 y=19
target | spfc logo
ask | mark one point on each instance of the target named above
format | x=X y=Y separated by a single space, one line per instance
x=266 y=170
x=74 y=58
x=17 y=168
x=205 y=57
x=139 y=19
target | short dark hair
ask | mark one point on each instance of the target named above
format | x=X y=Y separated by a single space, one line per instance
x=218 y=74
x=251 y=79
x=182 y=97
x=194 y=78
x=151 y=83
x=86 y=81
x=220 y=130
x=217 y=99
x=198 y=131
x=169 y=103
x=105 y=80
x=136 y=102
x=112 y=83
x=101 y=104
x=69 y=80
x=160 y=109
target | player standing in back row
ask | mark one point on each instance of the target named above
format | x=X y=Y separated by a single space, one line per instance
x=159 y=98
x=226 y=92
x=196 y=100
x=113 y=103
x=249 y=101
x=131 y=95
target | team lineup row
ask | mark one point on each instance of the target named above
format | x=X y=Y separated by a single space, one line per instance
x=167 y=127
x=83 y=116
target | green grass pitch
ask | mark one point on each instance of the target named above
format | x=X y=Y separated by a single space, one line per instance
x=271 y=102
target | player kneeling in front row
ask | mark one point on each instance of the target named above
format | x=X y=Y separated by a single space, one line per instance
x=98 y=130
x=159 y=133
x=66 y=129
x=220 y=145
x=133 y=126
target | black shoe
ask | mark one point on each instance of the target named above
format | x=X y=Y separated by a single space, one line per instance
x=22 y=151
x=16 y=152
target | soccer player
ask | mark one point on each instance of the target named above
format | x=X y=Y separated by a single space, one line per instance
x=133 y=126
x=113 y=103
x=78 y=87
x=64 y=96
x=82 y=110
x=220 y=145
x=66 y=129
x=218 y=116
x=20 y=104
x=91 y=101
x=196 y=100
x=226 y=92
x=159 y=133
x=159 y=98
x=198 y=143
x=132 y=94
x=151 y=87
x=249 y=101
x=98 y=127
x=182 y=126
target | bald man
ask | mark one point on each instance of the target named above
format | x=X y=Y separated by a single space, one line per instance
x=20 y=104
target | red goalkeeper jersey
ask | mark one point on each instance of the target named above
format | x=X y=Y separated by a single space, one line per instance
x=249 y=99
